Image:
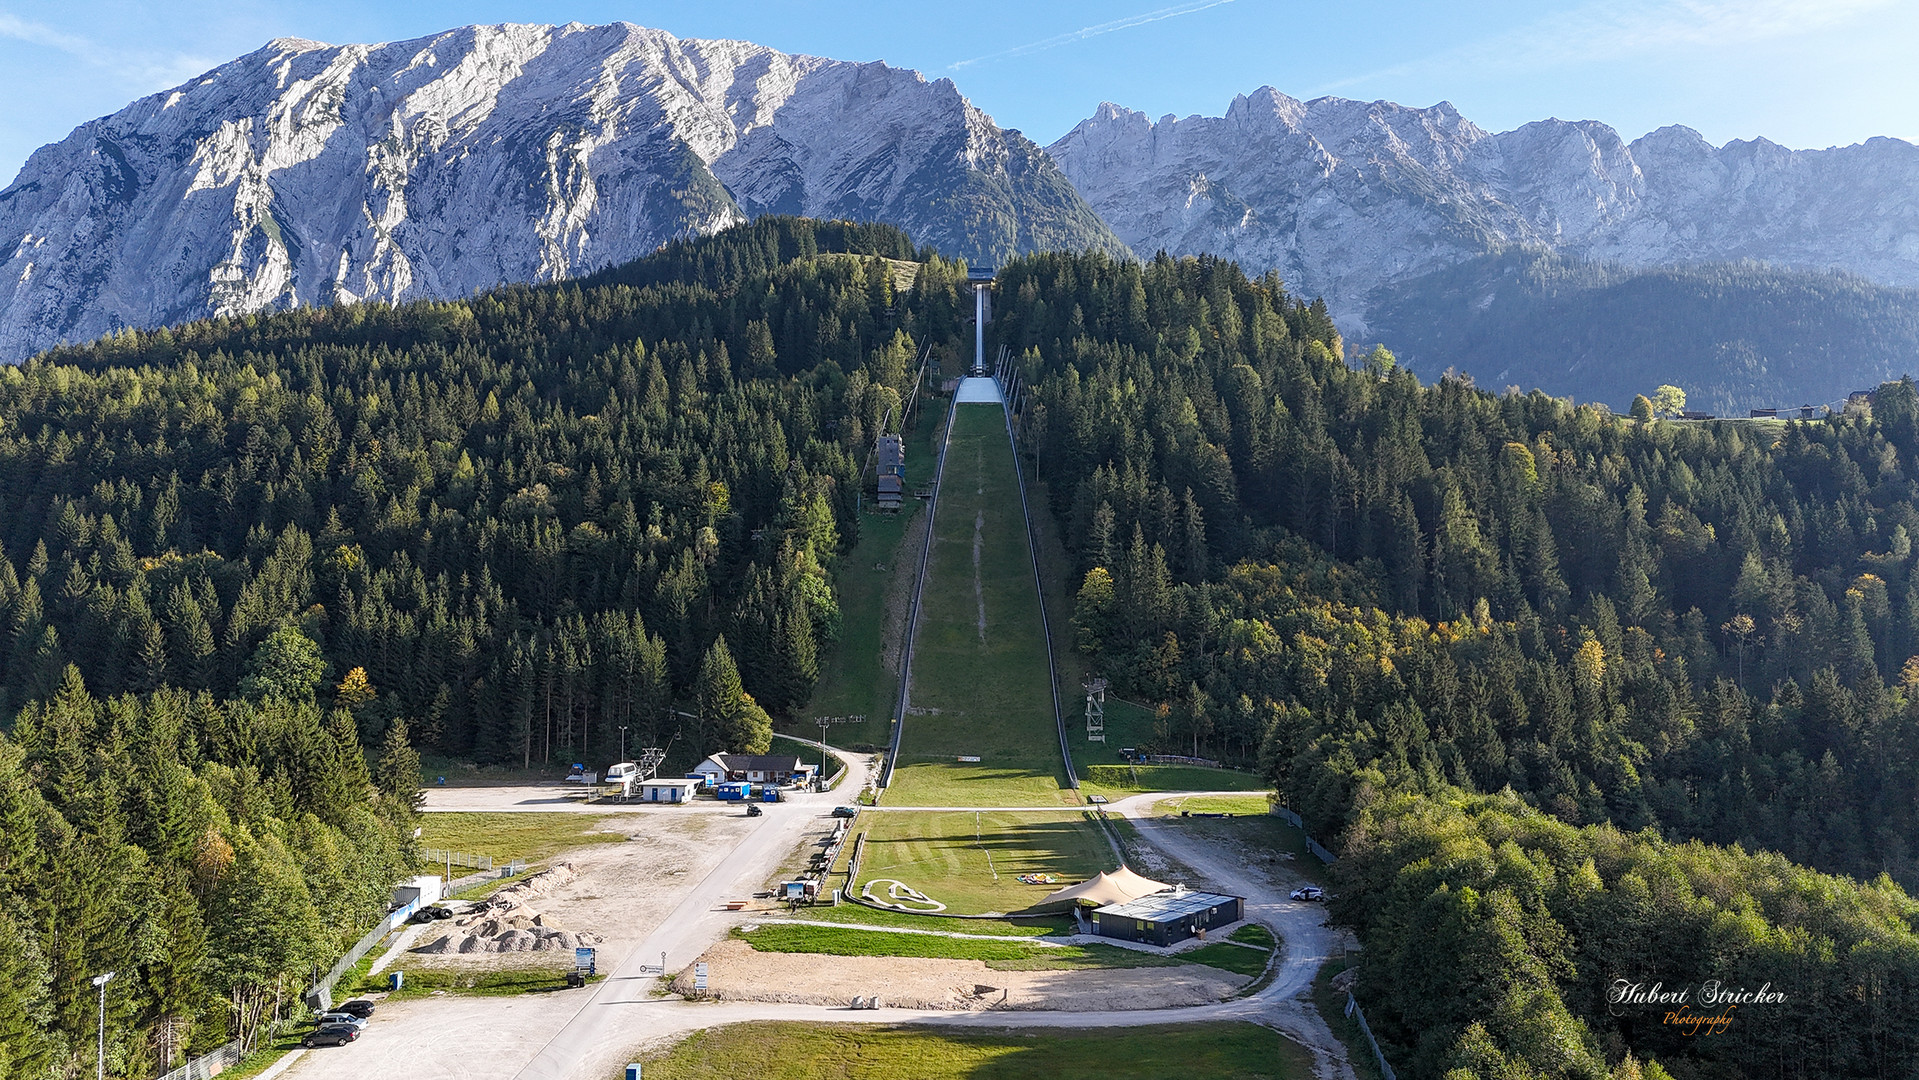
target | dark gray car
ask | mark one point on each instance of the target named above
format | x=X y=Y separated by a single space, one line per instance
x=331 y=1035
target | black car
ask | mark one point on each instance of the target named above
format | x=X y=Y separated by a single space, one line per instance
x=331 y=1035
x=359 y=1007
x=846 y=811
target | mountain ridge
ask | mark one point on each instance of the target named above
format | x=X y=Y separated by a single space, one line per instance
x=1344 y=196
x=311 y=173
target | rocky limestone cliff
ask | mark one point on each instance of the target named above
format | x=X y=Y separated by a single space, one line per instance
x=306 y=173
x=1342 y=196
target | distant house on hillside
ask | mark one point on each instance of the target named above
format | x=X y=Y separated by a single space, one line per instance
x=753 y=768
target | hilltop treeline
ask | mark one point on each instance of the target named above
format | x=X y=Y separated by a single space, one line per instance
x=239 y=557
x=1373 y=588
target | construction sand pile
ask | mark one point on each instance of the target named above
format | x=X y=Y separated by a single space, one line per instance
x=506 y=922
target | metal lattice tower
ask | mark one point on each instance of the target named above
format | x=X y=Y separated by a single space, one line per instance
x=647 y=765
x=1095 y=710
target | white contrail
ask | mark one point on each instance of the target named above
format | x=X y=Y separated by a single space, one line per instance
x=1083 y=33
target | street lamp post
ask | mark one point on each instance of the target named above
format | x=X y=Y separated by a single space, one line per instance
x=622 y=742
x=819 y=782
x=100 y=1062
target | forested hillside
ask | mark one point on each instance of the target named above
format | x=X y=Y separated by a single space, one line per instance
x=234 y=553
x=1380 y=590
x=1736 y=336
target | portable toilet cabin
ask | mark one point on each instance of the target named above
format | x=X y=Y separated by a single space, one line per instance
x=770 y=794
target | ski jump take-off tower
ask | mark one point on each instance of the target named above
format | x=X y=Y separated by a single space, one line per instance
x=981 y=278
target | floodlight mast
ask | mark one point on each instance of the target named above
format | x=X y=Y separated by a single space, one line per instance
x=100 y=1061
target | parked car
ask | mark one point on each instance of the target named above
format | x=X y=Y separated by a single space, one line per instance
x=359 y=1007
x=336 y=1018
x=846 y=811
x=331 y=1035
x=1309 y=892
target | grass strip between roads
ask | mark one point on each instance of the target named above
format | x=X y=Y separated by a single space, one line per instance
x=855 y=913
x=796 y=1051
x=998 y=955
x=508 y=983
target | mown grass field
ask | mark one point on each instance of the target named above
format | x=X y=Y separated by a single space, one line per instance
x=854 y=678
x=980 y=676
x=1238 y=805
x=970 y=862
x=795 y=1051
x=1119 y=781
x=533 y=837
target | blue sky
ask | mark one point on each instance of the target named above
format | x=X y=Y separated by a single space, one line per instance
x=1807 y=73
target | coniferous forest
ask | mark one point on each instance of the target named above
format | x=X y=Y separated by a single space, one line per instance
x=1519 y=661
x=237 y=552
x=1576 y=698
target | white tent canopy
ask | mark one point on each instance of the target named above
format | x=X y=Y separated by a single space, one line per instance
x=1116 y=887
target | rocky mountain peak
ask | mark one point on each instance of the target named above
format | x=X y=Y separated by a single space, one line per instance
x=310 y=173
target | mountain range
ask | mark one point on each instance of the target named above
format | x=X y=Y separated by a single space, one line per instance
x=1342 y=197
x=305 y=173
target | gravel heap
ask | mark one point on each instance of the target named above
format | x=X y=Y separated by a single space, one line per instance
x=506 y=922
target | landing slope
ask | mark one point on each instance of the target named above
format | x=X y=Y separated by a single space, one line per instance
x=979 y=661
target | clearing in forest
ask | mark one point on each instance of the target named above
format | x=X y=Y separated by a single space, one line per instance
x=980 y=678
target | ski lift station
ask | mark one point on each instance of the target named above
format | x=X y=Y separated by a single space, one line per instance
x=668 y=790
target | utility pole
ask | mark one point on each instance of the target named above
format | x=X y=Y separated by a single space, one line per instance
x=622 y=742
x=100 y=1062
x=819 y=781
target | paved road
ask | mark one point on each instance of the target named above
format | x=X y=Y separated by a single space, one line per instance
x=559 y=1037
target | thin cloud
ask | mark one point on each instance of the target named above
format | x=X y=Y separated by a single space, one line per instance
x=1610 y=31
x=148 y=71
x=41 y=34
x=1086 y=32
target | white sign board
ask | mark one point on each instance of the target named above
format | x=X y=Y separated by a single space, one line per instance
x=699 y=976
x=972 y=759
